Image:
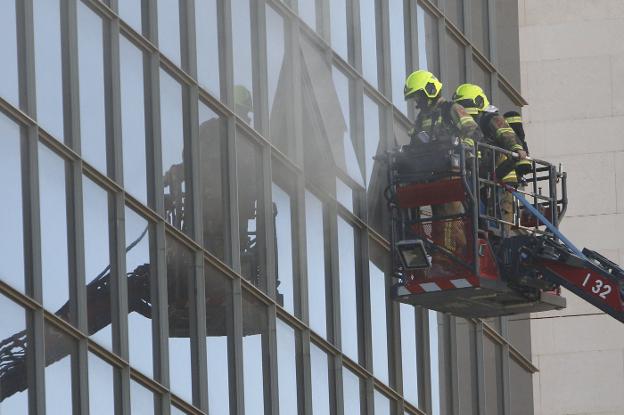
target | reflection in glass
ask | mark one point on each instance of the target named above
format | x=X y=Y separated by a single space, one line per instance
x=251 y=212
x=141 y=399
x=409 y=353
x=434 y=361
x=319 y=364
x=9 y=83
x=141 y=292
x=133 y=119
x=172 y=136
x=315 y=247
x=369 y=41
x=338 y=16
x=378 y=321
x=97 y=261
x=284 y=247
x=348 y=290
x=14 y=347
x=397 y=53
x=287 y=374
x=48 y=66
x=219 y=328
x=351 y=385
x=479 y=24
x=176 y=411
x=12 y=235
x=275 y=52
x=455 y=55
x=382 y=404
x=169 y=29
x=92 y=95
x=243 y=64
x=344 y=195
x=213 y=180
x=307 y=12
x=207 y=40
x=53 y=216
x=130 y=12
x=428 y=42
x=59 y=352
x=101 y=387
x=180 y=291
x=254 y=352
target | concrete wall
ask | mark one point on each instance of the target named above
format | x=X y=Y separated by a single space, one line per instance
x=572 y=69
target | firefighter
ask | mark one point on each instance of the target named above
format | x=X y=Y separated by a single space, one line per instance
x=441 y=119
x=496 y=132
x=514 y=119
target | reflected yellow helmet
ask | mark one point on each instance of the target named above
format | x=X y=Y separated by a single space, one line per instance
x=423 y=81
x=471 y=97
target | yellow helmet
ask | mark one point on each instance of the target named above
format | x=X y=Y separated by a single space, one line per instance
x=471 y=97
x=423 y=81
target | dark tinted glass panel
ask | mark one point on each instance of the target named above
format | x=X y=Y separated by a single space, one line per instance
x=169 y=29
x=60 y=350
x=287 y=368
x=455 y=11
x=369 y=40
x=97 y=261
x=283 y=207
x=207 y=38
x=480 y=31
x=505 y=102
x=101 y=387
x=397 y=53
x=456 y=68
x=315 y=240
x=482 y=77
x=14 y=347
x=9 y=84
x=133 y=119
x=348 y=290
x=251 y=212
x=409 y=353
x=255 y=353
x=12 y=234
x=48 y=66
x=219 y=328
x=180 y=290
x=172 y=135
x=492 y=362
x=91 y=80
x=130 y=12
x=243 y=64
x=141 y=399
x=319 y=364
x=428 y=41
x=352 y=389
x=507 y=40
x=141 y=292
x=54 y=225
x=338 y=17
x=213 y=181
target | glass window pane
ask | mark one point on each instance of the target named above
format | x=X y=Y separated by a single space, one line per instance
x=455 y=11
x=48 y=66
x=467 y=366
x=141 y=292
x=243 y=64
x=287 y=368
x=172 y=136
x=141 y=399
x=14 y=346
x=59 y=352
x=130 y=11
x=482 y=78
x=11 y=223
x=338 y=17
x=480 y=31
x=382 y=404
x=101 y=387
x=283 y=213
x=397 y=53
x=344 y=195
x=319 y=364
x=54 y=225
x=369 y=40
x=169 y=29
x=409 y=353
x=315 y=246
x=251 y=212
x=92 y=94
x=97 y=260
x=133 y=119
x=9 y=83
x=275 y=53
x=219 y=329
x=177 y=411
x=180 y=289
x=428 y=41
x=255 y=353
x=379 y=320
x=520 y=390
x=507 y=40
x=213 y=181
x=307 y=12
x=434 y=360
x=456 y=64
x=348 y=290
x=376 y=174
x=352 y=389
x=207 y=39
x=492 y=361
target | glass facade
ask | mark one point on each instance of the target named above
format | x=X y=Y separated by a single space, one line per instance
x=194 y=221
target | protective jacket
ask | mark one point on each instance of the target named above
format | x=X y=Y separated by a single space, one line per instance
x=447 y=119
x=497 y=132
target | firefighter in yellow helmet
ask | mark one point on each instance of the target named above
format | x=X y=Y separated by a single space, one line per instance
x=496 y=132
x=441 y=119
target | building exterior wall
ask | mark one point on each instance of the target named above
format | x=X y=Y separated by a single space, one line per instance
x=194 y=221
x=572 y=65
